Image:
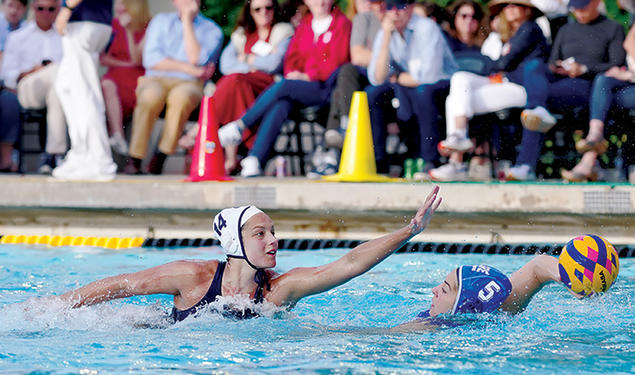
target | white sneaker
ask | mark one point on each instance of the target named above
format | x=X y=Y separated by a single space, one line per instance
x=250 y=167
x=449 y=172
x=230 y=134
x=479 y=171
x=453 y=143
x=118 y=144
x=77 y=168
x=65 y=168
x=324 y=164
x=522 y=172
x=537 y=119
x=83 y=173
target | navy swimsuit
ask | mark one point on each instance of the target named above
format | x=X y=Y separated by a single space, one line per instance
x=215 y=291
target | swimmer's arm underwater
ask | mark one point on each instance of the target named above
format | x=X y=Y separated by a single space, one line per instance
x=529 y=280
x=307 y=281
x=416 y=325
x=164 y=279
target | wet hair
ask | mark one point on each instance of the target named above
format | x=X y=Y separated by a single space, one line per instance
x=246 y=21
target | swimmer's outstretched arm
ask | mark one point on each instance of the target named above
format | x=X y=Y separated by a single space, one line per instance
x=165 y=279
x=528 y=280
x=301 y=282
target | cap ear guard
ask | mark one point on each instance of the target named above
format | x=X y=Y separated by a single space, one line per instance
x=481 y=289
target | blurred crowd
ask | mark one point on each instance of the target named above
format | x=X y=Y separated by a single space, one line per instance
x=473 y=91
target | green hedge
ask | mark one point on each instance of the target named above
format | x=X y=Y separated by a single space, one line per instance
x=225 y=12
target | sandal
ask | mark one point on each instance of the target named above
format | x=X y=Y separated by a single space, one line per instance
x=575 y=176
x=600 y=146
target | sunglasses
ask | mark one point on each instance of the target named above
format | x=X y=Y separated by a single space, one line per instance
x=396 y=6
x=268 y=8
x=49 y=9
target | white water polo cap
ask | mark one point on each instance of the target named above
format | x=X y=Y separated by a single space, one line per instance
x=227 y=229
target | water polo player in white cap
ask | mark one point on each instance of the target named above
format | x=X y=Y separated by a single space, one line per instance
x=247 y=236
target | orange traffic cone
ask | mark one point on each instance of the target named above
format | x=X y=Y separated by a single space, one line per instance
x=208 y=161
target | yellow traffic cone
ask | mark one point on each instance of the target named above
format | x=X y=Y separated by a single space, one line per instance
x=358 y=154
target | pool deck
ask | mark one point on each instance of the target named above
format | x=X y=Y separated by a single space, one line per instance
x=168 y=207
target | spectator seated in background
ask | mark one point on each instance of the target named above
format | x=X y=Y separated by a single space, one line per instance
x=249 y=63
x=123 y=59
x=525 y=50
x=352 y=77
x=411 y=61
x=583 y=48
x=465 y=32
x=29 y=68
x=556 y=15
x=354 y=7
x=318 y=48
x=616 y=87
x=179 y=55
x=10 y=20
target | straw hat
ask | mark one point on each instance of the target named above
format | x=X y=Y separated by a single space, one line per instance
x=496 y=6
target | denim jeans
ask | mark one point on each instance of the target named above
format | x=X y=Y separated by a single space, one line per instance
x=566 y=93
x=273 y=106
x=608 y=91
x=535 y=82
x=421 y=102
x=9 y=117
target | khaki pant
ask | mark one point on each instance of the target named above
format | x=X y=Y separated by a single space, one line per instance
x=37 y=91
x=180 y=98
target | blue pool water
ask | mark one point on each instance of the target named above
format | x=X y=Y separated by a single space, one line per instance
x=335 y=332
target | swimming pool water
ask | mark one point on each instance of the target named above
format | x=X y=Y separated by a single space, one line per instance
x=334 y=332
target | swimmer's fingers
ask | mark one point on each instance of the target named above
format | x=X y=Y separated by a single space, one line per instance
x=432 y=196
x=425 y=213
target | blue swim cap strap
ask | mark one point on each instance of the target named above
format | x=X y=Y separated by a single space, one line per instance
x=459 y=279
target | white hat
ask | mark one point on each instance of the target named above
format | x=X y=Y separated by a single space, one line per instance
x=227 y=229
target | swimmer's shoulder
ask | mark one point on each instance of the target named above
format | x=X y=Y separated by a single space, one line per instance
x=282 y=287
x=192 y=270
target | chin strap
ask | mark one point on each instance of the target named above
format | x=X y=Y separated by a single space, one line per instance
x=261 y=279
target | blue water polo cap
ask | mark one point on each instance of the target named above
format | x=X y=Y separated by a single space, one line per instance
x=481 y=289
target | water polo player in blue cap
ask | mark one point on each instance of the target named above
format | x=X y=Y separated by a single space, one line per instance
x=484 y=289
x=247 y=236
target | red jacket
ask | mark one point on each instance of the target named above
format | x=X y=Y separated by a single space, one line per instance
x=319 y=59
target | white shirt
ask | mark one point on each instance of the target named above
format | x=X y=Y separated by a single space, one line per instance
x=26 y=48
x=321 y=26
x=552 y=8
x=422 y=52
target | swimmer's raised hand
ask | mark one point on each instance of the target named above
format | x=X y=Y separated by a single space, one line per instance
x=300 y=282
x=425 y=213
